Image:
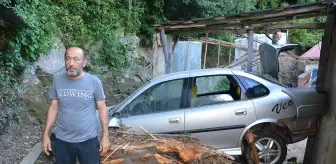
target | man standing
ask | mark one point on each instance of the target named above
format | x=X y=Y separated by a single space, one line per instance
x=75 y=97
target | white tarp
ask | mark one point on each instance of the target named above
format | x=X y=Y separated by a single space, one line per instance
x=187 y=56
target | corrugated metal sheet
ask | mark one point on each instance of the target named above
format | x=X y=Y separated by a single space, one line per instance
x=313 y=53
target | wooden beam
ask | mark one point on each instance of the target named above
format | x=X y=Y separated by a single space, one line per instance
x=291 y=26
x=272 y=15
x=224 y=43
x=205 y=52
x=165 y=50
x=258 y=28
x=186 y=63
x=219 y=49
x=250 y=51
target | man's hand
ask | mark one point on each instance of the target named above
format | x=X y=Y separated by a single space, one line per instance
x=51 y=118
x=104 y=144
x=46 y=145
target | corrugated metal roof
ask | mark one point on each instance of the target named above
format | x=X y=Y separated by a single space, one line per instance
x=313 y=53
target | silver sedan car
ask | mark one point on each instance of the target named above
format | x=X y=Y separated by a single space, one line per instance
x=218 y=106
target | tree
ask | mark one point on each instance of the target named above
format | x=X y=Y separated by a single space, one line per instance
x=325 y=144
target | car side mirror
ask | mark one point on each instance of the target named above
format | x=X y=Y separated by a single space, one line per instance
x=114 y=122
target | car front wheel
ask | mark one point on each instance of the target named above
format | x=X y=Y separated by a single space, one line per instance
x=270 y=147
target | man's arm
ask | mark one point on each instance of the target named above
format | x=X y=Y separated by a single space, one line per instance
x=51 y=118
x=105 y=142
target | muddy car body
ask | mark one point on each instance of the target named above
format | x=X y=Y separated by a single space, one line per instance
x=219 y=106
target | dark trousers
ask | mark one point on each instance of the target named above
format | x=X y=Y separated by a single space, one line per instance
x=86 y=152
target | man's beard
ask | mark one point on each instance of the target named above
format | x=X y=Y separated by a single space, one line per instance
x=74 y=73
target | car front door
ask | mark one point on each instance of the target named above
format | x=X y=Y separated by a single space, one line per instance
x=159 y=109
x=218 y=111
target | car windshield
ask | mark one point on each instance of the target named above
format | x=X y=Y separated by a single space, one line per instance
x=270 y=79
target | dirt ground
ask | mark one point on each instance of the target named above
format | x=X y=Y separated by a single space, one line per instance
x=21 y=144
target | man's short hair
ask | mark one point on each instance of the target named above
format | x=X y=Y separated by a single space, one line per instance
x=84 y=51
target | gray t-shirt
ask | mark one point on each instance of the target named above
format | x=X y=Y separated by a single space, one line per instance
x=76 y=119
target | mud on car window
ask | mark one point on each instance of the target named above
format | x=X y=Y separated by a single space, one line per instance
x=161 y=97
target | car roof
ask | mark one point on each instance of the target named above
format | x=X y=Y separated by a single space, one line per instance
x=197 y=72
x=210 y=71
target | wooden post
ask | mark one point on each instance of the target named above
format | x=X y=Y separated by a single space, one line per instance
x=165 y=51
x=250 y=51
x=229 y=55
x=206 y=49
x=251 y=140
x=170 y=46
x=219 y=49
x=186 y=63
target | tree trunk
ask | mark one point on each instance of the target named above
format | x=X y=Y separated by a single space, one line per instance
x=325 y=144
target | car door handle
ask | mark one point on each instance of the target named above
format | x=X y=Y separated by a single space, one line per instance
x=241 y=112
x=175 y=120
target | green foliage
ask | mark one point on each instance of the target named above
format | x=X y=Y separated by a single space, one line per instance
x=70 y=22
x=306 y=38
x=189 y=9
x=224 y=85
x=152 y=14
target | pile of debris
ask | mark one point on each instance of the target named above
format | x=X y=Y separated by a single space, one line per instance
x=131 y=148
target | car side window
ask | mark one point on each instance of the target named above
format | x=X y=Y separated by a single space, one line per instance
x=216 y=89
x=253 y=88
x=161 y=97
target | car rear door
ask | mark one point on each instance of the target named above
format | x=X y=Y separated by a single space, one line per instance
x=218 y=111
x=159 y=109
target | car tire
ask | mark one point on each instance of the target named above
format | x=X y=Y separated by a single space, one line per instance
x=262 y=138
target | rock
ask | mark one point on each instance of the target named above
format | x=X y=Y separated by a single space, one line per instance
x=162 y=160
x=145 y=157
x=137 y=78
x=30 y=75
x=115 y=161
x=190 y=154
x=53 y=62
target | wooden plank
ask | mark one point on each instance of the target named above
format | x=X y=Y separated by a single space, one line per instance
x=290 y=11
x=230 y=55
x=164 y=47
x=32 y=156
x=219 y=49
x=236 y=28
x=220 y=42
x=186 y=63
x=205 y=52
x=170 y=45
x=291 y=26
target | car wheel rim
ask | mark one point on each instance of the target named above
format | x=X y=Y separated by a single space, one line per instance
x=268 y=149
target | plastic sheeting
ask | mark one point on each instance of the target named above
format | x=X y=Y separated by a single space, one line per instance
x=187 y=58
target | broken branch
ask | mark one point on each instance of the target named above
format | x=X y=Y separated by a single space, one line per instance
x=150 y=134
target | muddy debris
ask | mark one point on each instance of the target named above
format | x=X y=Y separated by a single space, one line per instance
x=132 y=148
